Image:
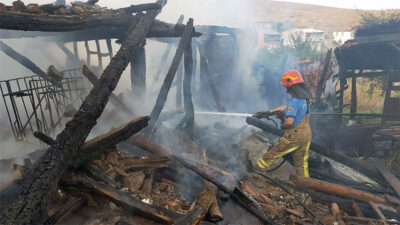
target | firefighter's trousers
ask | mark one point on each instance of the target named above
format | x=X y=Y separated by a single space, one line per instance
x=296 y=141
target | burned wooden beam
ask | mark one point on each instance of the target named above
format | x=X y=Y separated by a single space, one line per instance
x=356 y=209
x=179 y=83
x=98 y=145
x=32 y=22
x=162 y=96
x=120 y=198
x=69 y=207
x=140 y=7
x=113 y=98
x=151 y=162
x=389 y=177
x=166 y=53
x=323 y=75
x=203 y=204
x=40 y=182
x=377 y=211
x=336 y=189
x=25 y=62
x=187 y=89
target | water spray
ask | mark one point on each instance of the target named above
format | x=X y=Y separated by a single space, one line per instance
x=223 y=114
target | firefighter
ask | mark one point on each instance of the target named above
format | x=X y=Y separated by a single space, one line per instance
x=295 y=121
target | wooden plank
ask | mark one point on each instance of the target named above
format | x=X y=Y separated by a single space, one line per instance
x=356 y=208
x=336 y=189
x=378 y=211
x=389 y=177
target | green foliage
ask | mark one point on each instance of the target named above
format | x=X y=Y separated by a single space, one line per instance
x=275 y=59
x=377 y=83
x=369 y=19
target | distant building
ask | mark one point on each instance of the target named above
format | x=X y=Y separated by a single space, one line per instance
x=342 y=36
x=314 y=36
x=267 y=37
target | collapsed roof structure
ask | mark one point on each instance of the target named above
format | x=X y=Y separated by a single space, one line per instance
x=126 y=186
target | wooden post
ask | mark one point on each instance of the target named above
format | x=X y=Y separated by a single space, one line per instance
x=187 y=89
x=76 y=52
x=353 y=106
x=162 y=96
x=342 y=79
x=39 y=184
x=138 y=74
x=99 y=58
x=179 y=79
x=87 y=53
x=109 y=47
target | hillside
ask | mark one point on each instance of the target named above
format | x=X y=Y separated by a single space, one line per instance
x=304 y=15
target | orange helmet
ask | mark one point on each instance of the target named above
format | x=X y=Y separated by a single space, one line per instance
x=291 y=77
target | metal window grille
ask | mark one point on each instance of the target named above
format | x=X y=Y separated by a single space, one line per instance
x=34 y=104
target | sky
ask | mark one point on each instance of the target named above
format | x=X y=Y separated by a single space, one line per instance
x=354 y=4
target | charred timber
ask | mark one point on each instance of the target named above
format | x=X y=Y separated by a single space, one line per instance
x=323 y=75
x=32 y=22
x=336 y=189
x=95 y=147
x=203 y=204
x=39 y=185
x=66 y=210
x=113 y=98
x=162 y=96
x=187 y=89
x=389 y=177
